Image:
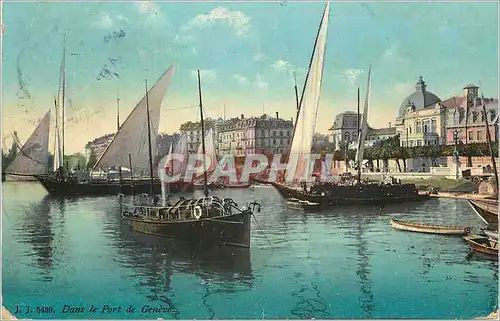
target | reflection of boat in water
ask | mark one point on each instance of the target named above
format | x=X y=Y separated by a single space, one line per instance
x=427 y=228
x=486 y=209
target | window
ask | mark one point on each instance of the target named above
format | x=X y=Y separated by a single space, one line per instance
x=419 y=127
x=419 y=143
x=274 y=134
x=474 y=117
x=274 y=141
x=433 y=126
x=288 y=133
x=288 y=141
x=471 y=136
x=403 y=143
x=347 y=136
x=492 y=115
x=479 y=135
x=281 y=133
x=426 y=127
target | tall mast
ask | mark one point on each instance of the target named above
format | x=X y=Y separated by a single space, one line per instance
x=63 y=95
x=205 y=188
x=117 y=111
x=488 y=139
x=296 y=94
x=149 y=141
x=359 y=131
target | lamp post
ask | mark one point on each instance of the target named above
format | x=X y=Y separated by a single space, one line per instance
x=455 y=152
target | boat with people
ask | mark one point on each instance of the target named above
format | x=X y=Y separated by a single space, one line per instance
x=209 y=220
x=428 y=228
x=482 y=244
x=346 y=191
x=126 y=150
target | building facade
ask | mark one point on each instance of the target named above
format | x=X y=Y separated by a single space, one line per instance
x=465 y=115
x=163 y=143
x=345 y=129
x=421 y=119
x=98 y=145
x=193 y=132
x=255 y=135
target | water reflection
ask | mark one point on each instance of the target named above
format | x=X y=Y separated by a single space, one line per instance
x=157 y=260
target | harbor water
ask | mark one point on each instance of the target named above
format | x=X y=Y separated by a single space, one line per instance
x=73 y=259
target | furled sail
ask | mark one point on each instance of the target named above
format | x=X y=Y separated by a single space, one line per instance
x=180 y=148
x=33 y=156
x=132 y=138
x=305 y=125
x=60 y=105
x=364 y=123
x=209 y=151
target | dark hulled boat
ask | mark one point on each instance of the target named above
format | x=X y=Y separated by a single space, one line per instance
x=332 y=195
x=207 y=220
x=70 y=186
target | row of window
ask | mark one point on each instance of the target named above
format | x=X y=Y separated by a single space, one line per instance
x=413 y=143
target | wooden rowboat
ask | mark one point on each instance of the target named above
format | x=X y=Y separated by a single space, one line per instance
x=486 y=209
x=434 y=229
x=482 y=244
x=492 y=234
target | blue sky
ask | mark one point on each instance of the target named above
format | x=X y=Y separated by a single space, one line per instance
x=247 y=53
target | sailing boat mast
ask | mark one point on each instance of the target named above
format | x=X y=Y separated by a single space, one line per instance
x=296 y=94
x=63 y=96
x=488 y=139
x=149 y=141
x=117 y=111
x=205 y=188
x=359 y=131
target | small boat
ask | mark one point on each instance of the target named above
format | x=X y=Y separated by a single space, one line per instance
x=482 y=244
x=486 y=209
x=433 y=229
x=492 y=234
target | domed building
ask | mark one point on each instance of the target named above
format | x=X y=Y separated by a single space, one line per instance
x=421 y=118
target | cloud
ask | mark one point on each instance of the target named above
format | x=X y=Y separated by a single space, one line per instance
x=241 y=79
x=259 y=56
x=235 y=19
x=122 y=18
x=151 y=11
x=260 y=82
x=393 y=54
x=352 y=75
x=105 y=21
x=282 y=65
x=206 y=75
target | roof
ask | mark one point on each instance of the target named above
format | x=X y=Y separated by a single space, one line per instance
x=382 y=131
x=420 y=99
x=338 y=123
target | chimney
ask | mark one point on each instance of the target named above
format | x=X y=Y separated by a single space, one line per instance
x=390 y=124
x=277 y=115
x=242 y=116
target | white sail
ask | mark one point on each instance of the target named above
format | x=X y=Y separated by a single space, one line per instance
x=33 y=156
x=209 y=151
x=305 y=124
x=180 y=148
x=364 y=123
x=132 y=138
x=59 y=106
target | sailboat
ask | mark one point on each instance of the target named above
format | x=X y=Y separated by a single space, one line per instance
x=127 y=149
x=304 y=130
x=208 y=220
x=487 y=209
x=33 y=156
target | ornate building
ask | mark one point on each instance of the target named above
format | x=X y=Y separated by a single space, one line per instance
x=98 y=145
x=264 y=134
x=422 y=118
x=345 y=129
x=471 y=128
x=193 y=132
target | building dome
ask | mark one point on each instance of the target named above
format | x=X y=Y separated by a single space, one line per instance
x=420 y=99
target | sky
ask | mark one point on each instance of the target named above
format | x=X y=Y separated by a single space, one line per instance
x=247 y=54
